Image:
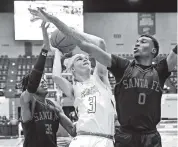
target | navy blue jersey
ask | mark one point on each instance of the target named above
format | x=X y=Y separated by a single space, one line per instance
x=138 y=92
x=41 y=130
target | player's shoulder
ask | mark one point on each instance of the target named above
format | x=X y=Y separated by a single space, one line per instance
x=162 y=64
x=23 y=94
x=54 y=104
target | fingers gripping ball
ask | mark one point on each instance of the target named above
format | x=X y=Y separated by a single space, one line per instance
x=64 y=43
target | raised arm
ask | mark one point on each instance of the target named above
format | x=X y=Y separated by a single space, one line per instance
x=100 y=69
x=81 y=40
x=61 y=82
x=172 y=59
x=31 y=82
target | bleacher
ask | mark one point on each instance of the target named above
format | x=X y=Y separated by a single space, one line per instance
x=12 y=71
x=4 y=66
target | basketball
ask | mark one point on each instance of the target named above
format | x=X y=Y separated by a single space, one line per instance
x=64 y=43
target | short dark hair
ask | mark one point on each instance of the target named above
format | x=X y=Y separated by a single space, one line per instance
x=155 y=42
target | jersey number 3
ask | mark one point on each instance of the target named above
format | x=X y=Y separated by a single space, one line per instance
x=142 y=98
x=92 y=104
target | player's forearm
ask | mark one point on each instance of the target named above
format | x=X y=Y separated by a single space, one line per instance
x=68 y=125
x=57 y=67
x=78 y=36
x=37 y=72
x=90 y=44
x=64 y=28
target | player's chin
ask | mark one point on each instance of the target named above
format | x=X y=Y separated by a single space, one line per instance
x=87 y=67
x=42 y=92
x=136 y=55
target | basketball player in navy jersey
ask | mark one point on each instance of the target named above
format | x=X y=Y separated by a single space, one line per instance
x=41 y=117
x=139 y=85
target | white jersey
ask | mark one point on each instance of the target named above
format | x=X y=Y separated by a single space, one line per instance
x=95 y=109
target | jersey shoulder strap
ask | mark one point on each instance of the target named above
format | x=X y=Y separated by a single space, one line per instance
x=126 y=73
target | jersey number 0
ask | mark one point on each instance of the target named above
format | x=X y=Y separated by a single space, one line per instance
x=142 y=98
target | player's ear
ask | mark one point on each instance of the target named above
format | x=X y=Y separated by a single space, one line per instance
x=153 y=51
x=72 y=69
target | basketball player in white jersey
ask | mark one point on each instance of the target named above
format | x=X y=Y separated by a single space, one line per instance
x=92 y=97
x=91 y=93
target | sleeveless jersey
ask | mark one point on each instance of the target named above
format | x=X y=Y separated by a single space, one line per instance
x=138 y=98
x=42 y=128
x=95 y=110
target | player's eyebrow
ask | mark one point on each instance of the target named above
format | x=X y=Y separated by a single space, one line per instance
x=77 y=58
x=142 y=39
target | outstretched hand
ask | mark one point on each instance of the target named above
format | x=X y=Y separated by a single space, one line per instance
x=46 y=42
x=39 y=14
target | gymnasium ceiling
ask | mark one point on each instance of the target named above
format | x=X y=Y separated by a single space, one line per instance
x=113 y=5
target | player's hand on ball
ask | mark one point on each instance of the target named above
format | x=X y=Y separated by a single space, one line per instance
x=46 y=43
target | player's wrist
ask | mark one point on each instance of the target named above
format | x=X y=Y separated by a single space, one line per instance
x=45 y=48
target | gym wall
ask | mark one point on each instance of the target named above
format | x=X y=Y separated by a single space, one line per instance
x=120 y=30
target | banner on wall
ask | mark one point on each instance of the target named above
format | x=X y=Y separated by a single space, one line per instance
x=146 y=23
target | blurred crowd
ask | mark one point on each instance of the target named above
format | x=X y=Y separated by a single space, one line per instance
x=4 y=120
x=11 y=121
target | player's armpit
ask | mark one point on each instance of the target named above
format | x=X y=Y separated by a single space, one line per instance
x=171 y=61
x=67 y=124
x=102 y=72
x=26 y=96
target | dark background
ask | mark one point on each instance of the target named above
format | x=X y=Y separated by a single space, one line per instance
x=114 y=6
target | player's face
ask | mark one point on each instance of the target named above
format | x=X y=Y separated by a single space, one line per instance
x=82 y=64
x=144 y=47
x=43 y=87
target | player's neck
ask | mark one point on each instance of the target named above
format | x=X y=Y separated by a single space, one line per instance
x=143 y=61
x=83 y=78
x=39 y=98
